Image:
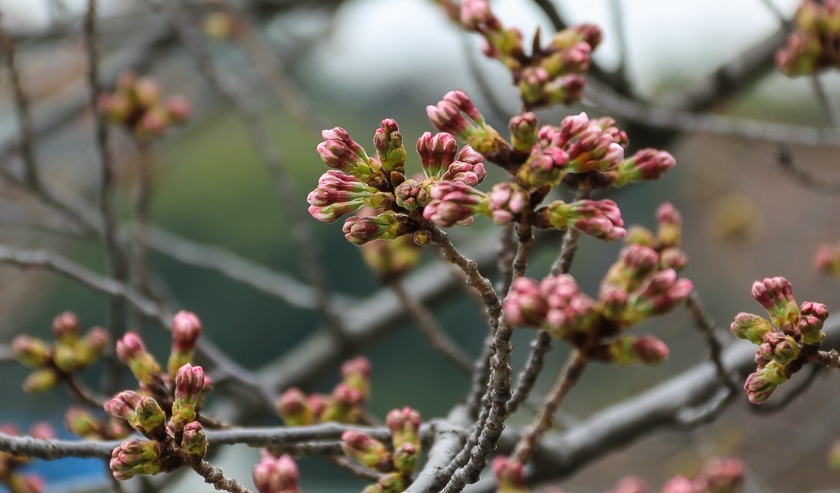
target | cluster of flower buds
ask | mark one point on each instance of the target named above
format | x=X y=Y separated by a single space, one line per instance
x=791 y=333
x=276 y=474
x=10 y=465
x=813 y=45
x=551 y=74
x=137 y=105
x=83 y=423
x=396 y=467
x=186 y=328
x=53 y=362
x=346 y=403
x=827 y=259
x=176 y=427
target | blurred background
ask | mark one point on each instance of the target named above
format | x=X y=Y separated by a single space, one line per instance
x=355 y=63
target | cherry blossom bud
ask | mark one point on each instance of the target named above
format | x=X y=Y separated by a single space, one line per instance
x=360 y=230
x=631 y=350
x=389 y=146
x=645 y=165
x=341 y=152
x=812 y=316
x=639 y=235
x=661 y=292
x=523 y=131
x=406 y=457
x=344 y=405
x=673 y=258
x=135 y=458
x=30 y=351
x=388 y=483
x=65 y=327
x=679 y=484
x=827 y=260
x=455 y=202
x=90 y=347
x=189 y=385
x=370 y=452
x=476 y=16
x=437 y=152
x=510 y=475
x=778 y=347
x=568 y=308
x=178 y=108
x=356 y=373
x=721 y=475
x=568 y=90
x=131 y=351
x=276 y=475
x=776 y=296
x=544 y=167
x=761 y=384
x=82 y=423
x=630 y=484
x=750 y=327
x=186 y=327
x=147 y=91
x=293 y=408
x=635 y=263
x=40 y=381
x=339 y=193
x=447 y=117
x=800 y=56
x=670 y=226
x=506 y=201
x=598 y=218
x=467 y=168
x=570 y=128
x=193 y=440
x=525 y=305
x=405 y=427
x=143 y=413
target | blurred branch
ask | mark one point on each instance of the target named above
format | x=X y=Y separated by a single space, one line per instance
x=824 y=98
x=817 y=182
x=707 y=326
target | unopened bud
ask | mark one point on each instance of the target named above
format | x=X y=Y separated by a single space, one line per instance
x=370 y=452
x=293 y=408
x=405 y=426
x=193 y=440
x=186 y=328
x=65 y=327
x=40 y=381
x=30 y=351
x=189 y=384
x=135 y=458
x=132 y=351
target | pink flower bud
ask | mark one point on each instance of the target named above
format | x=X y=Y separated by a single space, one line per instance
x=178 y=108
x=30 y=351
x=721 y=475
x=276 y=475
x=40 y=381
x=135 y=458
x=778 y=347
x=523 y=129
x=293 y=408
x=510 y=473
x=467 y=168
x=341 y=152
x=42 y=431
x=679 y=484
x=476 y=16
x=147 y=91
x=189 y=386
x=761 y=384
x=80 y=422
x=437 y=152
x=405 y=427
x=186 y=327
x=362 y=229
x=506 y=201
x=389 y=146
x=370 y=452
x=454 y=202
x=130 y=350
x=130 y=347
x=193 y=440
x=65 y=327
x=812 y=317
x=525 y=305
x=598 y=218
x=750 y=327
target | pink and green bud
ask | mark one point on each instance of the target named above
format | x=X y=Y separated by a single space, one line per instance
x=635 y=263
x=639 y=235
x=569 y=309
x=594 y=149
x=525 y=305
x=339 y=151
x=544 y=167
x=633 y=350
x=630 y=484
x=827 y=260
x=42 y=431
x=661 y=292
x=193 y=440
x=779 y=347
x=30 y=351
x=510 y=475
x=523 y=131
x=356 y=373
x=344 y=405
x=447 y=117
x=276 y=475
x=645 y=165
x=410 y=194
x=40 y=381
x=90 y=347
x=598 y=218
x=368 y=451
x=812 y=317
x=673 y=258
x=669 y=233
x=721 y=475
x=143 y=413
x=391 y=259
x=388 y=142
x=506 y=201
x=801 y=55
x=65 y=327
x=776 y=296
x=455 y=202
x=66 y=357
x=406 y=457
x=477 y=16
x=339 y=193
x=569 y=59
x=467 y=168
x=82 y=423
x=565 y=90
x=750 y=327
x=761 y=384
x=679 y=484
x=388 y=483
x=132 y=351
x=436 y=152
x=405 y=427
x=359 y=230
x=178 y=108
x=189 y=387
x=186 y=327
x=294 y=409
x=135 y=458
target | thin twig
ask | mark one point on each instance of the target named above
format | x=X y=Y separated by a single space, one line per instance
x=116 y=257
x=706 y=325
x=507 y=247
x=817 y=182
x=563 y=263
x=436 y=335
x=82 y=394
x=791 y=395
x=830 y=359
x=540 y=346
x=565 y=381
x=27 y=145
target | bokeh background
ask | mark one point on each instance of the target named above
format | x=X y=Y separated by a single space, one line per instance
x=372 y=59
